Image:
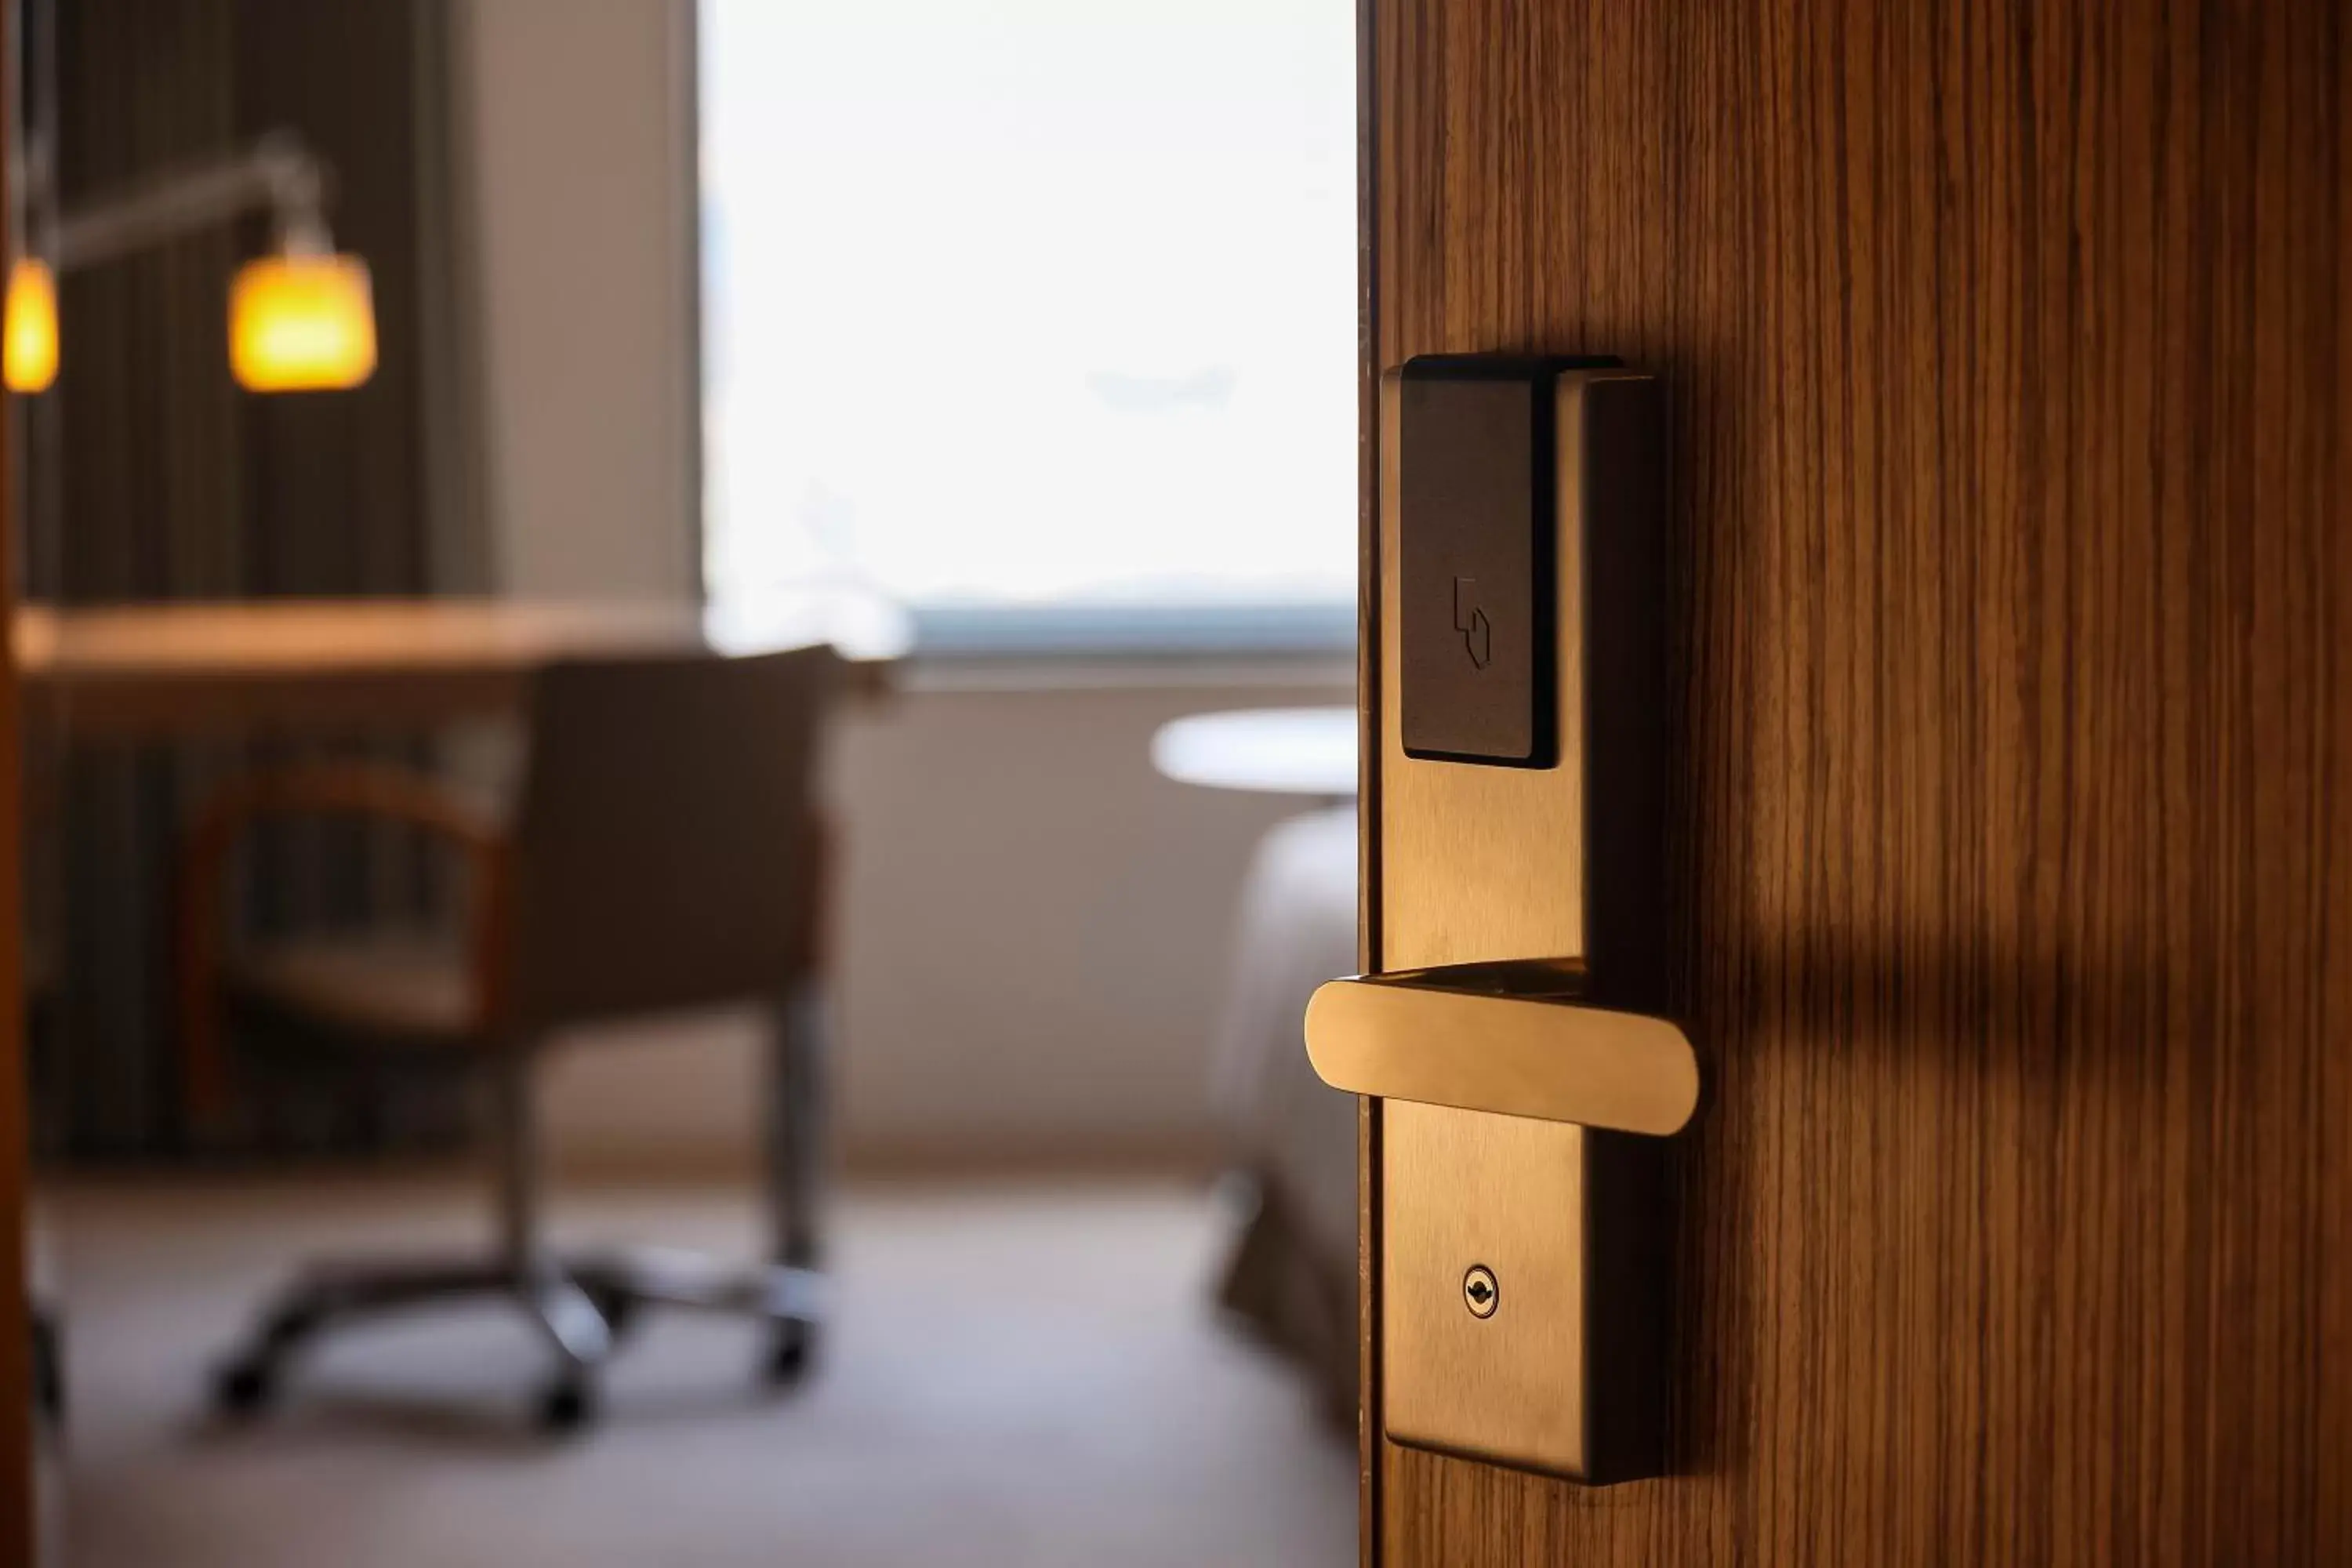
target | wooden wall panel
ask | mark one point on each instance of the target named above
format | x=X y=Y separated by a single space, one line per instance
x=2009 y=346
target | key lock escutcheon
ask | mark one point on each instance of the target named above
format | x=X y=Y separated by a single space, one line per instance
x=1528 y=1084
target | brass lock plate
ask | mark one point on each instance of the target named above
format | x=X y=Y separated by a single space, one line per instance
x=1558 y=860
x=1556 y=1370
x=1465 y=1191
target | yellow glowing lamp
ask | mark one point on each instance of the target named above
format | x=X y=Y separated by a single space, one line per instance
x=301 y=322
x=29 y=335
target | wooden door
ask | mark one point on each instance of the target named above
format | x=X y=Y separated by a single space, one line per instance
x=2009 y=348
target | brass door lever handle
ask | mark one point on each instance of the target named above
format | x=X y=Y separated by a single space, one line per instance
x=1507 y=1038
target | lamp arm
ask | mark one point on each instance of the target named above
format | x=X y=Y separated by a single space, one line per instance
x=277 y=171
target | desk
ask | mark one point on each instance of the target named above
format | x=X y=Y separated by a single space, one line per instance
x=177 y=671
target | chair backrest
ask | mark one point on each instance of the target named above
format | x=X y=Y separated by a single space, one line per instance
x=664 y=845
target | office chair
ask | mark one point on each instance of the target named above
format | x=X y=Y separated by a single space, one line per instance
x=664 y=855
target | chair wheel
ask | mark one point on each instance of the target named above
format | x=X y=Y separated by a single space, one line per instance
x=792 y=1353
x=568 y=1406
x=244 y=1386
x=619 y=1310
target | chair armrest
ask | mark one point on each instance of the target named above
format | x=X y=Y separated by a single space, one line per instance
x=328 y=789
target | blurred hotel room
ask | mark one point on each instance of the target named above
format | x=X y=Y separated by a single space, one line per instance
x=681 y=801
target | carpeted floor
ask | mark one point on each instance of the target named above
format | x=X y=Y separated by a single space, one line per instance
x=1016 y=1375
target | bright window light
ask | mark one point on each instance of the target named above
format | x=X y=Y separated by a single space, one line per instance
x=1043 y=303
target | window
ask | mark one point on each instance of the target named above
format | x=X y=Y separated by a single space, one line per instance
x=1034 y=314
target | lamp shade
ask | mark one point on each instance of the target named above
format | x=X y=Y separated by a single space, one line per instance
x=301 y=323
x=29 y=335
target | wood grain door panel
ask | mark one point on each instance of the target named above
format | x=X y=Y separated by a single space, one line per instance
x=2008 y=348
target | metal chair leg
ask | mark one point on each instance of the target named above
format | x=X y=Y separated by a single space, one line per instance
x=562 y=1311
x=795 y=1126
x=795 y=1167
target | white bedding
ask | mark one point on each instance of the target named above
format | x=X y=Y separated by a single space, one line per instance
x=1295 y=1135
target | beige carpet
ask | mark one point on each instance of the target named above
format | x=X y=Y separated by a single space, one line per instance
x=1018 y=1375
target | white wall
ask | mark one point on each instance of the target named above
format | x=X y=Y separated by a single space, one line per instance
x=1037 y=926
x=581 y=118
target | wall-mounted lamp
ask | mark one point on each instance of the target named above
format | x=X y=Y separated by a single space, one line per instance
x=301 y=323
x=28 y=334
x=301 y=319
